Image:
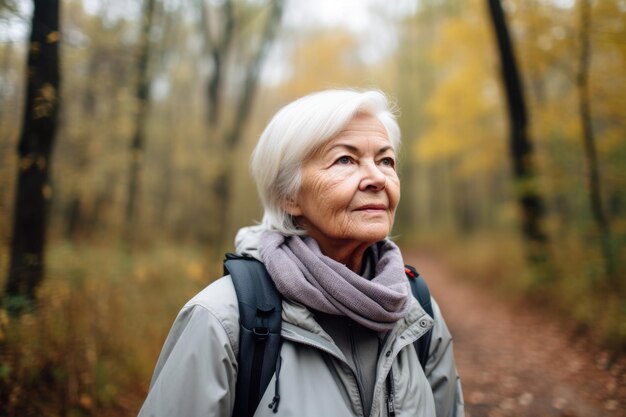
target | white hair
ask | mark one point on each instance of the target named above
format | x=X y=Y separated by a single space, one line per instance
x=295 y=132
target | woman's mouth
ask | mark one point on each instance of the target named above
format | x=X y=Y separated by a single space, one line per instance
x=372 y=207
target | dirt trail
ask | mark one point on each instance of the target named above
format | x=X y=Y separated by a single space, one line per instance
x=513 y=362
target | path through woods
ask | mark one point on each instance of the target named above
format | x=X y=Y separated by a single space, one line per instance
x=514 y=362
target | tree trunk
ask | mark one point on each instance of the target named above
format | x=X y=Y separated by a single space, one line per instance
x=591 y=159
x=246 y=99
x=33 y=190
x=137 y=147
x=224 y=181
x=218 y=50
x=526 y=190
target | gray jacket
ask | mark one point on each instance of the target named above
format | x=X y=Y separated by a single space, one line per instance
x=196 y=372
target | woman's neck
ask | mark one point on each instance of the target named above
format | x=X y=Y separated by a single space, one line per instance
x=350 y=254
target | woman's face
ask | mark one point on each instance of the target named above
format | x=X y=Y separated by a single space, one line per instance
x=350 y=188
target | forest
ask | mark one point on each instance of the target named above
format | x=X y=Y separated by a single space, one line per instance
x=126 y=129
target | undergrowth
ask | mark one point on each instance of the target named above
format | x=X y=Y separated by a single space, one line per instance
x=89 y=347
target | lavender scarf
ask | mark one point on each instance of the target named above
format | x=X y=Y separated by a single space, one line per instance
x=303 y=274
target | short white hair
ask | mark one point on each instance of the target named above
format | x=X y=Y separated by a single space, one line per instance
x=295 y=132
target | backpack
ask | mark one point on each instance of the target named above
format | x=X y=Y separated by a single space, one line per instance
x=260 y=307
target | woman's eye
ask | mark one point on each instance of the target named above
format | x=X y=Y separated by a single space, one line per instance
x=344 y=160
x=388 y=162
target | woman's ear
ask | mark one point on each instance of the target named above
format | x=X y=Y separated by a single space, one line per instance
x=291 y=206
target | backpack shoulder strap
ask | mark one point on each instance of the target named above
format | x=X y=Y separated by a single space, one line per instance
x=260 y=308
x=420 y=290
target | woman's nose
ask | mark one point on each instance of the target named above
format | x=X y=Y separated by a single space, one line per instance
x=373 y=178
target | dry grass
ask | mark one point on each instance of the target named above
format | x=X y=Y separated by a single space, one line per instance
x=90 y=347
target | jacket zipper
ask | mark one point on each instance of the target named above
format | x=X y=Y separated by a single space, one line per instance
x=357 y=370
x=390 y=358
x=391 y=392
x=292 y=336
x=333 y=354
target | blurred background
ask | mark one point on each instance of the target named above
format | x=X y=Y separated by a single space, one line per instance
x=126 y=128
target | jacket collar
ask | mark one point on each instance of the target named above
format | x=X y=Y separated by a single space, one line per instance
x=247 y=241
x=297 y=318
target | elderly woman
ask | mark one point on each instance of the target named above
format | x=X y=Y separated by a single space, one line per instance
x=325 y=168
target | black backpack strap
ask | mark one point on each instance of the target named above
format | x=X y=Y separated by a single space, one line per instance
x=260 y=309
x=419 y=288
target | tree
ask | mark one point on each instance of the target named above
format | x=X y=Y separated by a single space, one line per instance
x=39 y=125
x=589 y=145
x=221 y=47
x=217 y=45
x=527 y=195
x=457 y=140
x=138 y=141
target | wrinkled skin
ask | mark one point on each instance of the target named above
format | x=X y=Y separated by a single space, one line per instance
x=349 y=193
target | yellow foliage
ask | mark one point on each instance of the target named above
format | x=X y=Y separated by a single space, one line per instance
x=53 y=37
x=35 y=47
x=558 y=120
x=26 y=162
x=195 y=271
x=140 y=273
x=611 y=140
x=46 y=191
x=4 y=324
x=45 y=101
x=323 y=60
x=464 y=116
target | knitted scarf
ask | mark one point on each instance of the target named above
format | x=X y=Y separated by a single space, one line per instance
x=303 y=274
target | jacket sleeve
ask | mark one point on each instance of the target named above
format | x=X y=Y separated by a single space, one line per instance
x=196 y=371
x=441 y=370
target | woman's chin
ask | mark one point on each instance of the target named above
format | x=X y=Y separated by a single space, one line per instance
x=373 y=233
